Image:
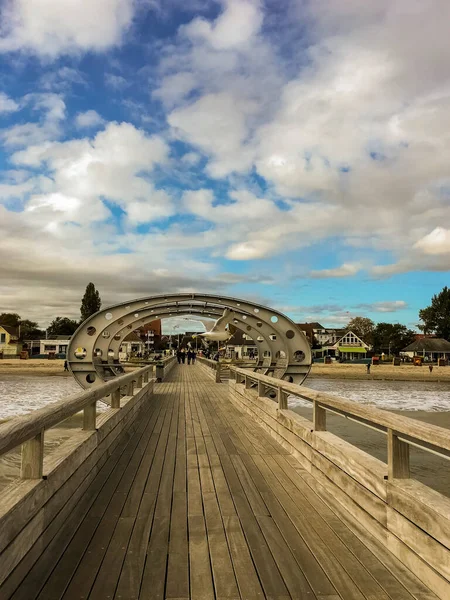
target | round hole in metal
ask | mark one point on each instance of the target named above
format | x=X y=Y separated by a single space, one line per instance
x=290 y=334
x=91 y=330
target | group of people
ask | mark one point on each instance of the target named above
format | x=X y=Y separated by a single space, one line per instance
x=182 y=355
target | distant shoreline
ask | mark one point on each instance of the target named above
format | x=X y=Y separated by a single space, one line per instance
x=403 y=372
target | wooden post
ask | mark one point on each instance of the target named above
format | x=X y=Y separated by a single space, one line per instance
x=90 y=416
x=398 y=457
x=247 y=382
x=319 y=417
x=282 y=399
x=130 y=390
x=218 y=373
x=146 y=377
x=139 y=381
x=115 y=399
x=32 y=459
x=261 y=389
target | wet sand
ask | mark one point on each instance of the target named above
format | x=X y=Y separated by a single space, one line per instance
x=425 y=467
x=36 y=367
x=403 y=372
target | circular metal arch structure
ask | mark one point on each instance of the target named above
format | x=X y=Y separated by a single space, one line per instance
x=92 y=354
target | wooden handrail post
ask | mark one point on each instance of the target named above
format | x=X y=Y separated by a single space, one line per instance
x=398 y=457
x=145 y=377
x=261 y=389
x=218 y=373
x=319 y=417
x=139 y=381
x=247 y=382
x=115 y=399
x=130 y=390
x=32 y=459
x=282 y=399
x=90 y=417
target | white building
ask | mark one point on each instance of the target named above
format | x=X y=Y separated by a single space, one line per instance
x=57 y=345
x=348 y=347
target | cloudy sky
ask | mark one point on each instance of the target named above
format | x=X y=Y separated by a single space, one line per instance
x=296 y=152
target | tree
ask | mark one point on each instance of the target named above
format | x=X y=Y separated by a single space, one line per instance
x=391 y=338
x=30 y=330
x=62 y=326
x=91 y=302
x=363 y=327
x=10 y=319
x=436 y=317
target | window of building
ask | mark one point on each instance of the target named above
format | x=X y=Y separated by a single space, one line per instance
x=2 y=338
x=50 y=348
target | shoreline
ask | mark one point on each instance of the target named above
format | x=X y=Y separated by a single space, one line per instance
x=404 y=372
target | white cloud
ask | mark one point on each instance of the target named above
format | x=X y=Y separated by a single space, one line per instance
x=85 y=172
x=191 y=158
x=62 y=79
x=235 y=27
x=175 y=88
x=53 y=27
x=217 y=124
x=51 y=109
x=385 y=307
x=116 y=82
x=436 y=242
x=7 y=105
x=345 y=270
x=88 y=119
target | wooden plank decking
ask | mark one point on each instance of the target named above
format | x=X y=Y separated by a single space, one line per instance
x=201 y=503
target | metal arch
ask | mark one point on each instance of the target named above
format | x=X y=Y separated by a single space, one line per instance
x=130 y=323
x=289 y=338
x=103 y=347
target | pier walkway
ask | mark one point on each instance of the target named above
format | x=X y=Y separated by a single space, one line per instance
x=201 y=503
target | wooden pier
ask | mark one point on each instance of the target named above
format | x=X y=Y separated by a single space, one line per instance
x=199 y=501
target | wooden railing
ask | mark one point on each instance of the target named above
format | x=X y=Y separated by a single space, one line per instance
x=402 y=432
x=214 y=365
x=28 y=431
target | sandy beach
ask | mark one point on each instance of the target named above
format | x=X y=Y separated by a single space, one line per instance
x=404 y=372
x=36 y=367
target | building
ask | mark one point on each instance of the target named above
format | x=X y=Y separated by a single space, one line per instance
x=150 y=333
x=131 y=346
x=57 y=346
x=431 y=348
x=9 y=341
x=347 y=347
x=320 y=335
x=241 y=346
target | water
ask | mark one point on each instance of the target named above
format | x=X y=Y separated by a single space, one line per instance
x=20 y=395
x=389 y=395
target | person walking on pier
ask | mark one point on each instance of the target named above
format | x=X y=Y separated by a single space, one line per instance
x=183 y=356
x=194 y=356
x=368 y=368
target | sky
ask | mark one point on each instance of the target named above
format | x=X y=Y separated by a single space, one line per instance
x=292 y=152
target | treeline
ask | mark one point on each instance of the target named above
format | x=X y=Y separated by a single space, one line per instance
x=393 y=337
